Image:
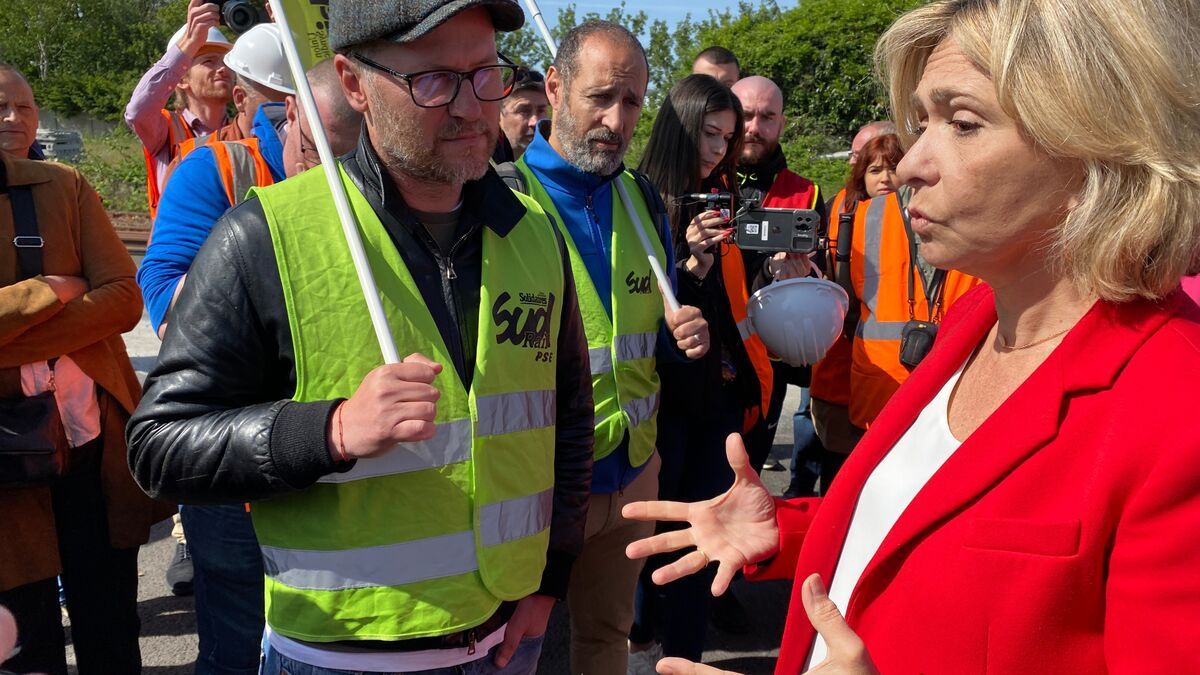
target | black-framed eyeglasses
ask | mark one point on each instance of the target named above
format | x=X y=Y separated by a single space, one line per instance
x=308 y=149
x=437 y=88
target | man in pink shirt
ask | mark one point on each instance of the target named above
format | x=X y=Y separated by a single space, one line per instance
x=193 y=70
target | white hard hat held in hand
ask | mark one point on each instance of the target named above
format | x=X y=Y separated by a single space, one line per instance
x=258 y=56
x=799 y=319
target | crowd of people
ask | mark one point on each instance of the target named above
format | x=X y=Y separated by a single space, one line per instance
x=551 y=373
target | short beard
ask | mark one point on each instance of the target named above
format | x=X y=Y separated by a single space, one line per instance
x=578 y=150
x=751 y=155
x=404 y=148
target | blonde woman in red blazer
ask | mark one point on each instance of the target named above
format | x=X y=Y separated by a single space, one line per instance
x=1029 y=501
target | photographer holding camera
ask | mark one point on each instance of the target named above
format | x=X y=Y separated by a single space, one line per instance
x=192 y=69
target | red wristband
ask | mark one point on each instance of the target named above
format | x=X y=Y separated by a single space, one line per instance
x=340 y=446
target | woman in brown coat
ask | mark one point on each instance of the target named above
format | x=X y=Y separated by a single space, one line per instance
x=87 y=526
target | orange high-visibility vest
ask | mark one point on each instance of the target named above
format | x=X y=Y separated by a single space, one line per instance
x=178 y=132
x=788 y=191
x=733 y=270
x=879 y=271
x=831 y=375
x=241 y=167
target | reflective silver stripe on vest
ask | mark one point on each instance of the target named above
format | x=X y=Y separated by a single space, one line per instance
x=871 y=328
x=178 y=128
x=390 y=565
x=516 y=518
x=601 y=360
x=745 y=328
x=244 y=175
x=880 y=330
x=450 y=444
x=516 y=411
x=635 y=346
x=411 y=561
x=641 y=409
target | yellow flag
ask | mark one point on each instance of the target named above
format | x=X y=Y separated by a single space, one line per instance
x=309 y=21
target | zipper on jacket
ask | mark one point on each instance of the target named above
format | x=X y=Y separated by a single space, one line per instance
x=466 y=333
x=471 y=642
x=593 y=222
x=449 y=298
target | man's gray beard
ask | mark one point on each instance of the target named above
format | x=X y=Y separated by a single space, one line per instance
x=578 y=151
x=403 y=148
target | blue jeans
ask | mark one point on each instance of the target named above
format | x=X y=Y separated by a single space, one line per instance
x=228 y=586
x=524 y=662
x=806 y=448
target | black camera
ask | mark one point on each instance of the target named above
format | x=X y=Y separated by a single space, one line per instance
x=766 y=229
x=241 y=15
x=916 y=339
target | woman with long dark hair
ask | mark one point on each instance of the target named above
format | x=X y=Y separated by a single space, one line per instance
x=693 y=149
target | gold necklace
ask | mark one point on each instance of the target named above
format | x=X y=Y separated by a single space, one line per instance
x=1001 y=345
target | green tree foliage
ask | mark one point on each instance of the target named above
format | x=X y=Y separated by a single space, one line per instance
x=86 y=55
x=819 y=53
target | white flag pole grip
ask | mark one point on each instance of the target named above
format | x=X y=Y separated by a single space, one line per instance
x=664 y=283
x=340 y=201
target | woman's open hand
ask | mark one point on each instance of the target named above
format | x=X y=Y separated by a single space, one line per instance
x=733 y=529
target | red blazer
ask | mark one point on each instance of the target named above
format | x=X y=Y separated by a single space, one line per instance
x=1062 y=537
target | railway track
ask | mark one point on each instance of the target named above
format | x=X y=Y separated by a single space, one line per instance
x=133 y=229
x=134 y=240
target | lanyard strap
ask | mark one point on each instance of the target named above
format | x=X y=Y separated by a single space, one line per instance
x=27 y=241
x=934 y=290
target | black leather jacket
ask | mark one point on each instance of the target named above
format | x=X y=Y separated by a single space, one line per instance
x=217 y=423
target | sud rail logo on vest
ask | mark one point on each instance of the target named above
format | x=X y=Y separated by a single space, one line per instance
x=527 y=324
x=638 y=285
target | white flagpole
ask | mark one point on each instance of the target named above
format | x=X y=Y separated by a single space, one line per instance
x=664 y=283
x=542 y=27
x=333 y=176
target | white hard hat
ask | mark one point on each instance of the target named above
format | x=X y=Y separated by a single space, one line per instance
x=258 y=56
x=216 y=39
x=799 y=319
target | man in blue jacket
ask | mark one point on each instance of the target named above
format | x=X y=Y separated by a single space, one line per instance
x=596 y=87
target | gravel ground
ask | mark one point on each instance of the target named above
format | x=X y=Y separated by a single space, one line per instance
x=169 y=642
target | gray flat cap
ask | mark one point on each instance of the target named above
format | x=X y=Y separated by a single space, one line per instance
x=353 y=22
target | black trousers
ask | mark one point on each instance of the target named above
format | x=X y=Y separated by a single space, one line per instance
x=100 y=583
x=760 y=439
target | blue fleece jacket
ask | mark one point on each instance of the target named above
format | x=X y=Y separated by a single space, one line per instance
x=584 y=201
x=192 y=202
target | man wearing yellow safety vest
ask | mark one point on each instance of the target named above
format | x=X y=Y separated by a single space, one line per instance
x=222 y=546
x=193 y=70
x=413 y=517
x=574 y=170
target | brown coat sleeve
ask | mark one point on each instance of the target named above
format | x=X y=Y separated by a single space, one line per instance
x=24 y=305
x=111 y=307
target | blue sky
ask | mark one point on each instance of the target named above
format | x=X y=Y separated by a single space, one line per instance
x=669 y=10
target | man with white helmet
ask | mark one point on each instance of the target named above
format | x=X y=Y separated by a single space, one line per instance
x=192 y=69
x=260 y=76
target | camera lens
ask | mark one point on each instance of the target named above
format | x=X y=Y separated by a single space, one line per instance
x=239 y=15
